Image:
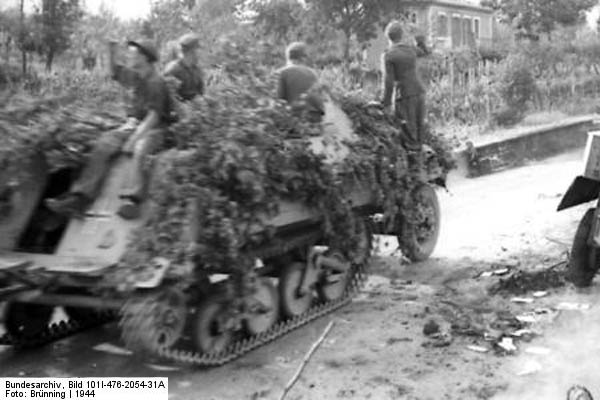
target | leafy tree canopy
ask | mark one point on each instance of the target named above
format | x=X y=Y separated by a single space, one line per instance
x=531 y=18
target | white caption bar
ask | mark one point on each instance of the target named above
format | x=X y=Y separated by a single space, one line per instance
x=85 y=388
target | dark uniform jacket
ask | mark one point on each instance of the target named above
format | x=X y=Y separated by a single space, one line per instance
x=399 y=68
x=147 y=94
x=295 y=80
x=191 y=78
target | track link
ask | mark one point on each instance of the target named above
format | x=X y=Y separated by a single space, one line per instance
x=63 y=329
x=248 y=344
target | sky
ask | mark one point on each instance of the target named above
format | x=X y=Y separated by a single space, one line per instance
x=131 y=9
x=125 y=9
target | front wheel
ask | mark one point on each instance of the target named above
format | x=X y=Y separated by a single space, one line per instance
x=420 y=227
x=585 y=259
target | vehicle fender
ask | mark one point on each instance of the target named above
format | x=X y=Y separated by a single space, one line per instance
x=582 y=190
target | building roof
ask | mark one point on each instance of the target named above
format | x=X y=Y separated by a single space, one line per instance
x=473 y=5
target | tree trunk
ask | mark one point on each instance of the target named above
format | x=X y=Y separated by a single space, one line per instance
x=348 y=36
x=21 y=36
x=49 y=60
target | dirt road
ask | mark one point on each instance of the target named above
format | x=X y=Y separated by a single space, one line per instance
x=377 y=348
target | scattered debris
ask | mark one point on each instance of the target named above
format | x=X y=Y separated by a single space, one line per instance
x=566 y=306
x=165 y=368
x=524 y=334
x=112 y=349
x=521 y=282
x=496 y=272
x=431 y=328
x=525 y=300
x=541 y=293
x=530 y=367
x=526 y=318
x=478 y=349
x=500 y=272
x=540 y=351
x=507 y=345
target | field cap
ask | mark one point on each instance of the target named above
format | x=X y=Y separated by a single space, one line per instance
x=189 y=41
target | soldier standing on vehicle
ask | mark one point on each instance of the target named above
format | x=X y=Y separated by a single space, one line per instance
x=296 y=79
x=399 y=71
x=186 y=69
x=149 y=115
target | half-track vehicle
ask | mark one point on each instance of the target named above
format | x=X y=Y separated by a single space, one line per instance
x=48 y=262
x=584 y=258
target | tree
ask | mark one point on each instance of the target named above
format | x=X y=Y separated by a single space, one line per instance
x=359 y=18
x=170 y=18
x=278 y=19
x=532 y=18
x=56 y=21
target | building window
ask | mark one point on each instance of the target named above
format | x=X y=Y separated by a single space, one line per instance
x=467 y=35
x=442 y=25
x=476 y=22
x=456 y=32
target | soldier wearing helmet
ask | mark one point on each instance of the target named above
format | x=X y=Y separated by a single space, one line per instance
x=402 y=87
x=186 y=69
x=149 y=114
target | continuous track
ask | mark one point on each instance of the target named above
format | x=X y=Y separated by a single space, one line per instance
x=185 y=354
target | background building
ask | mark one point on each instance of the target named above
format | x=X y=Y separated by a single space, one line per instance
x=446 y=23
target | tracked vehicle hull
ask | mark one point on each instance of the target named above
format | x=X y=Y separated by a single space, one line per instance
x=215 y=316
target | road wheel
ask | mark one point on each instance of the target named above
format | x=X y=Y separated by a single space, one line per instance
x=26 y=321
x=264 y=308
x=585 y=259
x=293 y=303
x=331 y=284
x=154 y=322
x=420 y=230
x=211 y=333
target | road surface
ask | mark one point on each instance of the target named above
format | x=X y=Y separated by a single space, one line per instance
x=377 y=349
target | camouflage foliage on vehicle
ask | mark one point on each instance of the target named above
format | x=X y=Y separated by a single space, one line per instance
x=239 y=153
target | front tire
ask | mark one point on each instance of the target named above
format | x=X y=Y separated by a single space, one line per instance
x=585 y=259
x=419 y=232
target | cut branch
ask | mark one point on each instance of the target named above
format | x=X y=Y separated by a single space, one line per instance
x=305 y=361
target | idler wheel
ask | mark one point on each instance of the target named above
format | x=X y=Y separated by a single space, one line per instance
x=154 y=322
x=211 y=331
x=293 y=301
x=263 y=306
x=25 y=321
x=419 y=232
x=332 y=284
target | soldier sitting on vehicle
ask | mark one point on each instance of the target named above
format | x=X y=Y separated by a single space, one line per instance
x=186 y=69
x=297 y=82
x=399 y=70
x=149 y=115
